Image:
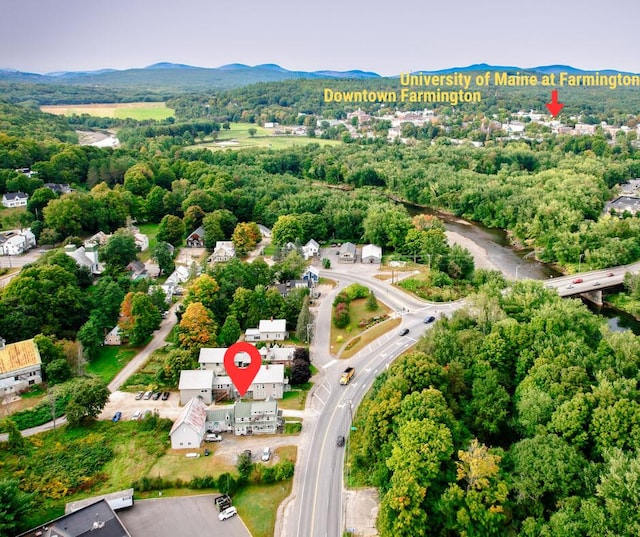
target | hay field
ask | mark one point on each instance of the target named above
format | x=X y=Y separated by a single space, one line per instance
x=138 y=111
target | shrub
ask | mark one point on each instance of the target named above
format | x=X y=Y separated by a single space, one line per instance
x=341 y=316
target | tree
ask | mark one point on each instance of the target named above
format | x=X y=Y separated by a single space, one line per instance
x=372 y=302
x=245 y=237
x=171 y=230
x=230 y=331
x=91 y=335
x=300 y=371
x=119 y=251
x=286 y=229
x=138 y=317
x=290 y=268
x=305 y=319
x=197 y=329
x=139 y=179
x=15 y=506
x=341 y=316
x=252 y=131
x=88 y=397
x=176 y=361
x=58 y=371
x=162 y=253
x=17 y=443
x=203 y=289
x=193 y=218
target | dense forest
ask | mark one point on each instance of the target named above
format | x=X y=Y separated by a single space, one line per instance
x=518 y=416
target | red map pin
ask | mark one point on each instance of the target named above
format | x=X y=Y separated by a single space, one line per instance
x=242 y=377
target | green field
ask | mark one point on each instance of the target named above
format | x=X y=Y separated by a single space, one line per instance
x=238 y=137
x=138 y=111
x=110 y=361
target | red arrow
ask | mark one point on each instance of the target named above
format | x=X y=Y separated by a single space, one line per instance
x=554 y=106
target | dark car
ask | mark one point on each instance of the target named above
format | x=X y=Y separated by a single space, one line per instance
x=207 y=452
x=156 y=396
x=404 y=331
x=117 y=416
x=165 y=395
x=340 y=441
x=429 y=319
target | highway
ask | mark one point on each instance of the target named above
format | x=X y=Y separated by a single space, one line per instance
x=317 y=509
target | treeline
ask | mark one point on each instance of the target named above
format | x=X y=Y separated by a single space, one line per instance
x=517 y=416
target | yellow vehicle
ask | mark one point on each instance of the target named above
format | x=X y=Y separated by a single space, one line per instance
x=347 y=375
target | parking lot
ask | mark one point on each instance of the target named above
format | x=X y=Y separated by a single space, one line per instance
x=186 y=515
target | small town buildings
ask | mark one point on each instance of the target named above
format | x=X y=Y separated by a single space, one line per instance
x=188 y=430
x=20 y=366
x=623 y=204
x=16 y=242
x=196 y=238
x=58 y=188
x=264 y=231
x=277 y=354
x=178 y=276
x=136 y=269
x=311 y=249
x=84 y=256
x=97 y=519
x=371 y=253
x=213 y=359
x=256 y=418
x=15 y=199
x=311 y=274
x=224 y=251
x=121 y=499
x=99 y=238
x=347 y=253
x=141 y=240
x=113 y=338
x=196 y=383
x=271 y=330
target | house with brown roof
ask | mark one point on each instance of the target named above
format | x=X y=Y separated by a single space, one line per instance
x=20 y=366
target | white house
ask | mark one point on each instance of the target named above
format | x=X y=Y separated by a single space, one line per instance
x=196 y=238
x=256 y=418
x=178 y=276
x=224 y=251
x=347 y=253
x=371 y=253
x=268 y=383
x=277 y=354
x=141 y=240
x=274 y=329
x=15 y=199
x=252 y=334
x=189 y=428
x=85 y=256
x=113 y=337
x=20 y=366
x=311 y=249
x=16 y=242
x=196 y=383
x=213 y=359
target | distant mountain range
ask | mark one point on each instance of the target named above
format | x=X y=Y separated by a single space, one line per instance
x=179 y=76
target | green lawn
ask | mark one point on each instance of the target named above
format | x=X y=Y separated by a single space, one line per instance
x=258 y=506
x=238 y=137
x=151 y=231
x=110 y=361
x=358 y=311
x=10 y=218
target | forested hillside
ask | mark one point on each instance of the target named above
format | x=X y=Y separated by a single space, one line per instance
x=518 y=416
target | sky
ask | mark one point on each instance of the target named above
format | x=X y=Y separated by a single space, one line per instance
x=386 y=37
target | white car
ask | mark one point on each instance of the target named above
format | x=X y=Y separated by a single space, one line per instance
x=137 y=415
x=266 y=454
x=228 y=513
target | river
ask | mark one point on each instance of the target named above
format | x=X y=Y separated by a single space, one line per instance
x=495 y=246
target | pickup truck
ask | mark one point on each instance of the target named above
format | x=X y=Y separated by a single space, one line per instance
x=347 y=375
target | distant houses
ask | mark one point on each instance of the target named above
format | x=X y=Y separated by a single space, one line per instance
x=85 y=256
x=223 y=251
x=195 y=239
x=371 y=253
x=347 y=253
x=268 y=330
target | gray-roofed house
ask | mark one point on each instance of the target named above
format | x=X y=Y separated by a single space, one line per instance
x=196 y=238
x=256 y=418
x=97 y=520
x=347 y=253
x=371 y=253
x=85 y=256
x=268 y=383
x=196 y=383
x=189 y=428
x=311 y=249
x=15 y=199
x=277 y=354
x=224 y=251
x=213 y=358
x=273 y=329
x=113 y=337
x=221 y=420
x=264 y=231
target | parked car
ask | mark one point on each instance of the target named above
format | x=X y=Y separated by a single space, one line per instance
x=340 y=441
x=222 y=502
x=165 y=395
x=117 y=416
x=139 y=396
x=207 y=452
x=404 y=331
x=570 y=286
x=228 y=513
x=156 y=396
x=609 y=274
x=212 y=437
x=137 y=415
x=595 y=284
x=578 y=280
x=147 y=395
x=429 y=319
x=266 y=454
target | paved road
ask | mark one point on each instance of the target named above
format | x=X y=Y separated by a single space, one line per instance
x=315 y=507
